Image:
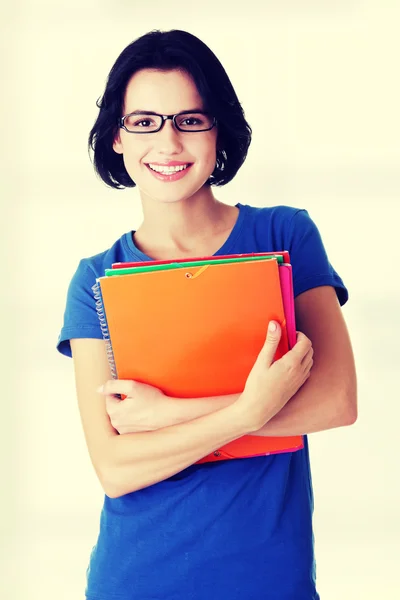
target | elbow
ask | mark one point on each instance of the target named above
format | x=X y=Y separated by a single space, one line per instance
x=114 y=490
x=110 y=472
x=111 y=490
x=111 y=484
x=109 y=480
x=349 y=417
x=349 y=411
x=114 y=483
x=116 y=476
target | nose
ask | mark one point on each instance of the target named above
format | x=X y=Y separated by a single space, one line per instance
x=169 y=139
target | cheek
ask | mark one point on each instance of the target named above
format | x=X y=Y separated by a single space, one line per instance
x=133 y=155
x=211 y=158
x=208 y=151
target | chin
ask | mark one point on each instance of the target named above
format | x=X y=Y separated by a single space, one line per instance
x=171 y=194
x=171 y=198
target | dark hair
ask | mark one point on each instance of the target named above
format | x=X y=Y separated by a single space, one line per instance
x=169 y=50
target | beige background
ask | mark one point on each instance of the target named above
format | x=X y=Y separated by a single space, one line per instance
x=319 y=84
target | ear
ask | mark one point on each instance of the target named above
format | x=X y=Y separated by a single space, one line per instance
x=117 y=144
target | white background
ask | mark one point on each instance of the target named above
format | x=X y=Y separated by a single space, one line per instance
x=319 y=82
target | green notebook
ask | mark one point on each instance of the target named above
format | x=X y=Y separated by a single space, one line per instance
x=197 y=263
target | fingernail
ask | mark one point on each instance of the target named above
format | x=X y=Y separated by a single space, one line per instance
x=100 y=389
x=272 y=327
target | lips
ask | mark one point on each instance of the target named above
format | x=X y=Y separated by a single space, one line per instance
x=172 y=175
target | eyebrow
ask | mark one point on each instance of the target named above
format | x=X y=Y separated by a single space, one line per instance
x=153 y=112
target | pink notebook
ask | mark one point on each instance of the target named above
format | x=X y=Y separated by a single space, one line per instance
x=286 y=279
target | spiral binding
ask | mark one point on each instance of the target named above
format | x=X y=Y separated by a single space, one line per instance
x=104 y=327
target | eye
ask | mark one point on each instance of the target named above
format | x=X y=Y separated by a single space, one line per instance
x=191 y=121
x=143 y=123
x=139 y=122
x=194 y=121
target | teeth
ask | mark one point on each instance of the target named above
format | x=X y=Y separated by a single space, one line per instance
x=167 y=170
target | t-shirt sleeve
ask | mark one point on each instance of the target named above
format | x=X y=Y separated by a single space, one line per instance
x=310 y=263
x=80 y=316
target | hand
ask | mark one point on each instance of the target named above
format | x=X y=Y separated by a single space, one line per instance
x=143 y=409
x=270 y=385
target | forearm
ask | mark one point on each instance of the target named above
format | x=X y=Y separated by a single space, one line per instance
x=137 y=460
x=313 y=408
x=182 y=410
x=310 y=410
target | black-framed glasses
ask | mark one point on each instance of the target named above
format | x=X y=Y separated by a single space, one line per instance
x=149 y=122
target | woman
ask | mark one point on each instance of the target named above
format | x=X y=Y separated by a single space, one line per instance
x=171 y=123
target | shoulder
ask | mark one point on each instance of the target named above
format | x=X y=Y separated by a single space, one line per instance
x=95 y=265
x=278 y=224
x=280 y=216
x=293 y=229
x=90 y=268
x=286 y=226
x=80 y=315
x=281 y=213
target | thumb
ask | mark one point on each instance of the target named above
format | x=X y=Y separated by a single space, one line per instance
x=271 y=343
x=121 y=387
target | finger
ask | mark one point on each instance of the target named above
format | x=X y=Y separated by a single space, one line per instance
x=301 y=338
x=302 y=345
x=111 y=403
x=125 y=387
x=309 y=355
x=307 y=365
x=268 y=351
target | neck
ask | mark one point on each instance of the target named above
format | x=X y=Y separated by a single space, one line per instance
x=192 y=226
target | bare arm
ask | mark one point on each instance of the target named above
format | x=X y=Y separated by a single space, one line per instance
x=329 y=397
x=126 y=463
x=133 y=461
x=138 y=460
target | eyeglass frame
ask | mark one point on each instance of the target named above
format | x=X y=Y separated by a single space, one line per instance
x=121 y=121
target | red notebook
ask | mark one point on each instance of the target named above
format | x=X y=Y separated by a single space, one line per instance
x=126 y=265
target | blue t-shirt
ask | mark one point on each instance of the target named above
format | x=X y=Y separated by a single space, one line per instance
x=231 y=530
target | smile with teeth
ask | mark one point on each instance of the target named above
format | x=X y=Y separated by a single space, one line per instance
x=168 y=170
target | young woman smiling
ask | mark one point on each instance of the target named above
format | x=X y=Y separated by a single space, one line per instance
x=171 y=124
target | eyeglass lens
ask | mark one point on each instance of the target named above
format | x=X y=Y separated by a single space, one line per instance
x=148 y=123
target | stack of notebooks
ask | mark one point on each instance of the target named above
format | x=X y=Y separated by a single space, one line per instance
x=194 y=328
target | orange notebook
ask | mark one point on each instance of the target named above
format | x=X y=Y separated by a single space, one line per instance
x=195 y=336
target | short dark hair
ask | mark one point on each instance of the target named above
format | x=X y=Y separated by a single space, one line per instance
x=171 y=50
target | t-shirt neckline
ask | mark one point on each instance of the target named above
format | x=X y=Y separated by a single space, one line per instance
x=226 y=247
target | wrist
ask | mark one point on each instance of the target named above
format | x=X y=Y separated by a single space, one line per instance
x=239 y=418
x=251 y=420
x=173 y=412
